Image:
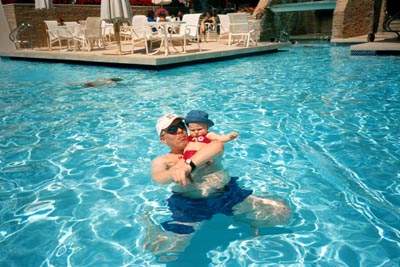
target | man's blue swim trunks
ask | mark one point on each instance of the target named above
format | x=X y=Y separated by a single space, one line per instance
x=185 y=209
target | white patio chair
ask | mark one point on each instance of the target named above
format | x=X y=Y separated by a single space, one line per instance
x=141 y=31
x=125 y=31
x=90 y=34
x=223 y=25
x=70 y=30
x=192 y=27
x=189 y=30
x=178 y=34
x=71 y=24
x=211 y=30
x=108 y=30
x=82 y=23
x=239 y=26
x=57 y=34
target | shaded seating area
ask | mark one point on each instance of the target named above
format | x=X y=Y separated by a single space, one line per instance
x=167 y=33
x=154 y=37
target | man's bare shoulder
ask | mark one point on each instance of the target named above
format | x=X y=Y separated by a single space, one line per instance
x=162 y=158
x=159 y=160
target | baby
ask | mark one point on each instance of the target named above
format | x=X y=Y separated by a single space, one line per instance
x=198 y=124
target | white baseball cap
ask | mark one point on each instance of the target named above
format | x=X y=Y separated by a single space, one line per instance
x=165 y=121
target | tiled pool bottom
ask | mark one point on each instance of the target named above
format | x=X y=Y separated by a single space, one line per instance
x=318 y=128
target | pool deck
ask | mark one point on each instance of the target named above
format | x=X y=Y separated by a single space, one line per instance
x=384 y=44
x=211 y=51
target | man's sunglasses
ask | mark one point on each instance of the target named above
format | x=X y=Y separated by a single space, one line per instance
x=174 y=128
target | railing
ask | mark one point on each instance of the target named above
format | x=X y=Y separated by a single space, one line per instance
x=304 y=6
x=392 y=24
x=15 y=36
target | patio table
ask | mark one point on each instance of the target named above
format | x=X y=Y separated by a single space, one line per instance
x=164 y=27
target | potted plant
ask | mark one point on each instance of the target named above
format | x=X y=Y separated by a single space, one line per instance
x=60 y=21
x=161 y=13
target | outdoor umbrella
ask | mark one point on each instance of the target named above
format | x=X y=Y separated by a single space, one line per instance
x=43 y=4
x=116 y=12
x=161 y=2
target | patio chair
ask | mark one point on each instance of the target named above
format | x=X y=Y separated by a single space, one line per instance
x=239 y=26
x=211 y=29
x=108 y=30
x=223 y=25
x=90 y=34
x=82 y=23
x=71 y=29
x=187 y=31
x=125 y=31
x=178 y=34
x=141 y=31
x=57 y=34
x=191 y=28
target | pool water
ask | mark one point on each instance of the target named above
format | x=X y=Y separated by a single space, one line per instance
x=318 y=129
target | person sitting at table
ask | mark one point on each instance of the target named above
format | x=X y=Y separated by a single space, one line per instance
x=179 y=16
x=151 y=18
x=207 y=23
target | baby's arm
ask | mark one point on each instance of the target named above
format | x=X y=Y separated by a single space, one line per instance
x=222 y=137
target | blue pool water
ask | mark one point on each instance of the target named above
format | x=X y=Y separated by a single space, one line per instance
x=318 y=128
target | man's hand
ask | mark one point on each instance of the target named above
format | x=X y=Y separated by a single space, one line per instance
x=181 y=173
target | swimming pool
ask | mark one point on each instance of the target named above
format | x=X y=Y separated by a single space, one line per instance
x=318 y=128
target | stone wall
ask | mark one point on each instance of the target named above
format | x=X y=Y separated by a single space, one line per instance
x=17 y=14
x=356 y=17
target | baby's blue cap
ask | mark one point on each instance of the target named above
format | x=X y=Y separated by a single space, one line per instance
x=198 y=116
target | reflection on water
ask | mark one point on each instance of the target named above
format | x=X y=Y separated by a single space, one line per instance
x=317 y=128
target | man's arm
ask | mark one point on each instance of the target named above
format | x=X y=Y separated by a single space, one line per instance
x=180 y=172
x=163 y=169
x=207 y=153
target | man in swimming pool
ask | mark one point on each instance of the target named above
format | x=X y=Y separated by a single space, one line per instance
x=101 y=82
x=202 y=188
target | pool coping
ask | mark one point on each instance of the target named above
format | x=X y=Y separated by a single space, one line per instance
x=211 y=51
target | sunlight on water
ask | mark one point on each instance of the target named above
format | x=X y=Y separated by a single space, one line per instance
x=318 y=128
